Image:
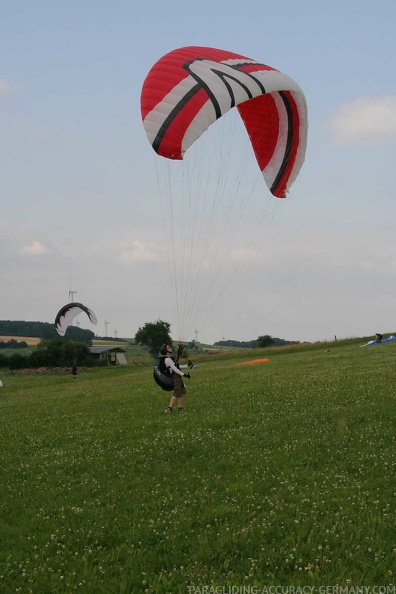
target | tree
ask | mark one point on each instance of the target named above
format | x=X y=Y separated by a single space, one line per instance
x=58 y=353
x=17 y=361
x=152 y=335
x=265 y=341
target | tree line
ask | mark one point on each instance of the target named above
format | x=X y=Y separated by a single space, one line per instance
x=262 y=341
x=13 y=344
x=43 y=330
x=153 y=334
x=52 y=353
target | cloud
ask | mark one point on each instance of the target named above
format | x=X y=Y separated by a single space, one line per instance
x=367 y=120
x=138 y=252
x=5 y=87
x=34 y=249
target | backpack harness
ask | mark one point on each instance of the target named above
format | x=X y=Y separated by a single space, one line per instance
x=162 y=375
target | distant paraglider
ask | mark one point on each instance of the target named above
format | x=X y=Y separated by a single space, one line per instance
x=378 y=341
x=66 y=315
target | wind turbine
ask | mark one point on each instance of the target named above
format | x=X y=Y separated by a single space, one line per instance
x=71 y=293
x=71 y=299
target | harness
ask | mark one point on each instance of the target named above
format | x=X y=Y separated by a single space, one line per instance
x=162 y=375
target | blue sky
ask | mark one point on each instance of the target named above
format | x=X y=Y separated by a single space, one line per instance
x=79 y=190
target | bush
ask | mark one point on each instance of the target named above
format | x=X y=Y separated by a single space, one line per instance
x=57 y=353
x=3 y=361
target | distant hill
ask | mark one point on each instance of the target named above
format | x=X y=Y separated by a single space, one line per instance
x=252 y=344
x=43 y=330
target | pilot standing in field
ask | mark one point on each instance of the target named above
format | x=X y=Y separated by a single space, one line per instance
x=179 y=389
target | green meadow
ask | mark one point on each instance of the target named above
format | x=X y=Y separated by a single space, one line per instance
x=277 y=474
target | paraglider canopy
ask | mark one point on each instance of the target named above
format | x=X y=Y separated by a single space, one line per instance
x=211 y=116
x=190 y=88
x=371 y=342
x=68 y=312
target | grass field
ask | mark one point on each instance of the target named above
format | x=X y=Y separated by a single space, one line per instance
x=277 y=474
x=30 y=341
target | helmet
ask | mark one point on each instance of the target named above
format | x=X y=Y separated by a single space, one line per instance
x=163 y=349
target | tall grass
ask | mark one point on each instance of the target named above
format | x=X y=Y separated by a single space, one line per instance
x=281 y=473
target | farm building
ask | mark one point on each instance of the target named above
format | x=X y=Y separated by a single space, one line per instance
x=113 y=355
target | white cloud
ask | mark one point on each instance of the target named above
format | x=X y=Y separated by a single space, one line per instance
x=5 y=87
x=34 y=249
x=138 y=252
x=367 y=120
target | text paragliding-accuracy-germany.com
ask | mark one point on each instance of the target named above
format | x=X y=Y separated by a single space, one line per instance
x=348 y=589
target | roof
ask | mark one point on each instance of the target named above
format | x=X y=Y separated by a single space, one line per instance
x=105 y=349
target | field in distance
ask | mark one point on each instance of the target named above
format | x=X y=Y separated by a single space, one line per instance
x=30 y=340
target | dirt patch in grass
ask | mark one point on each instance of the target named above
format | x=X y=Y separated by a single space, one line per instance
x=48 y=371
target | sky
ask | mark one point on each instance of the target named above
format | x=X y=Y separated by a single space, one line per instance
x=81 y=191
